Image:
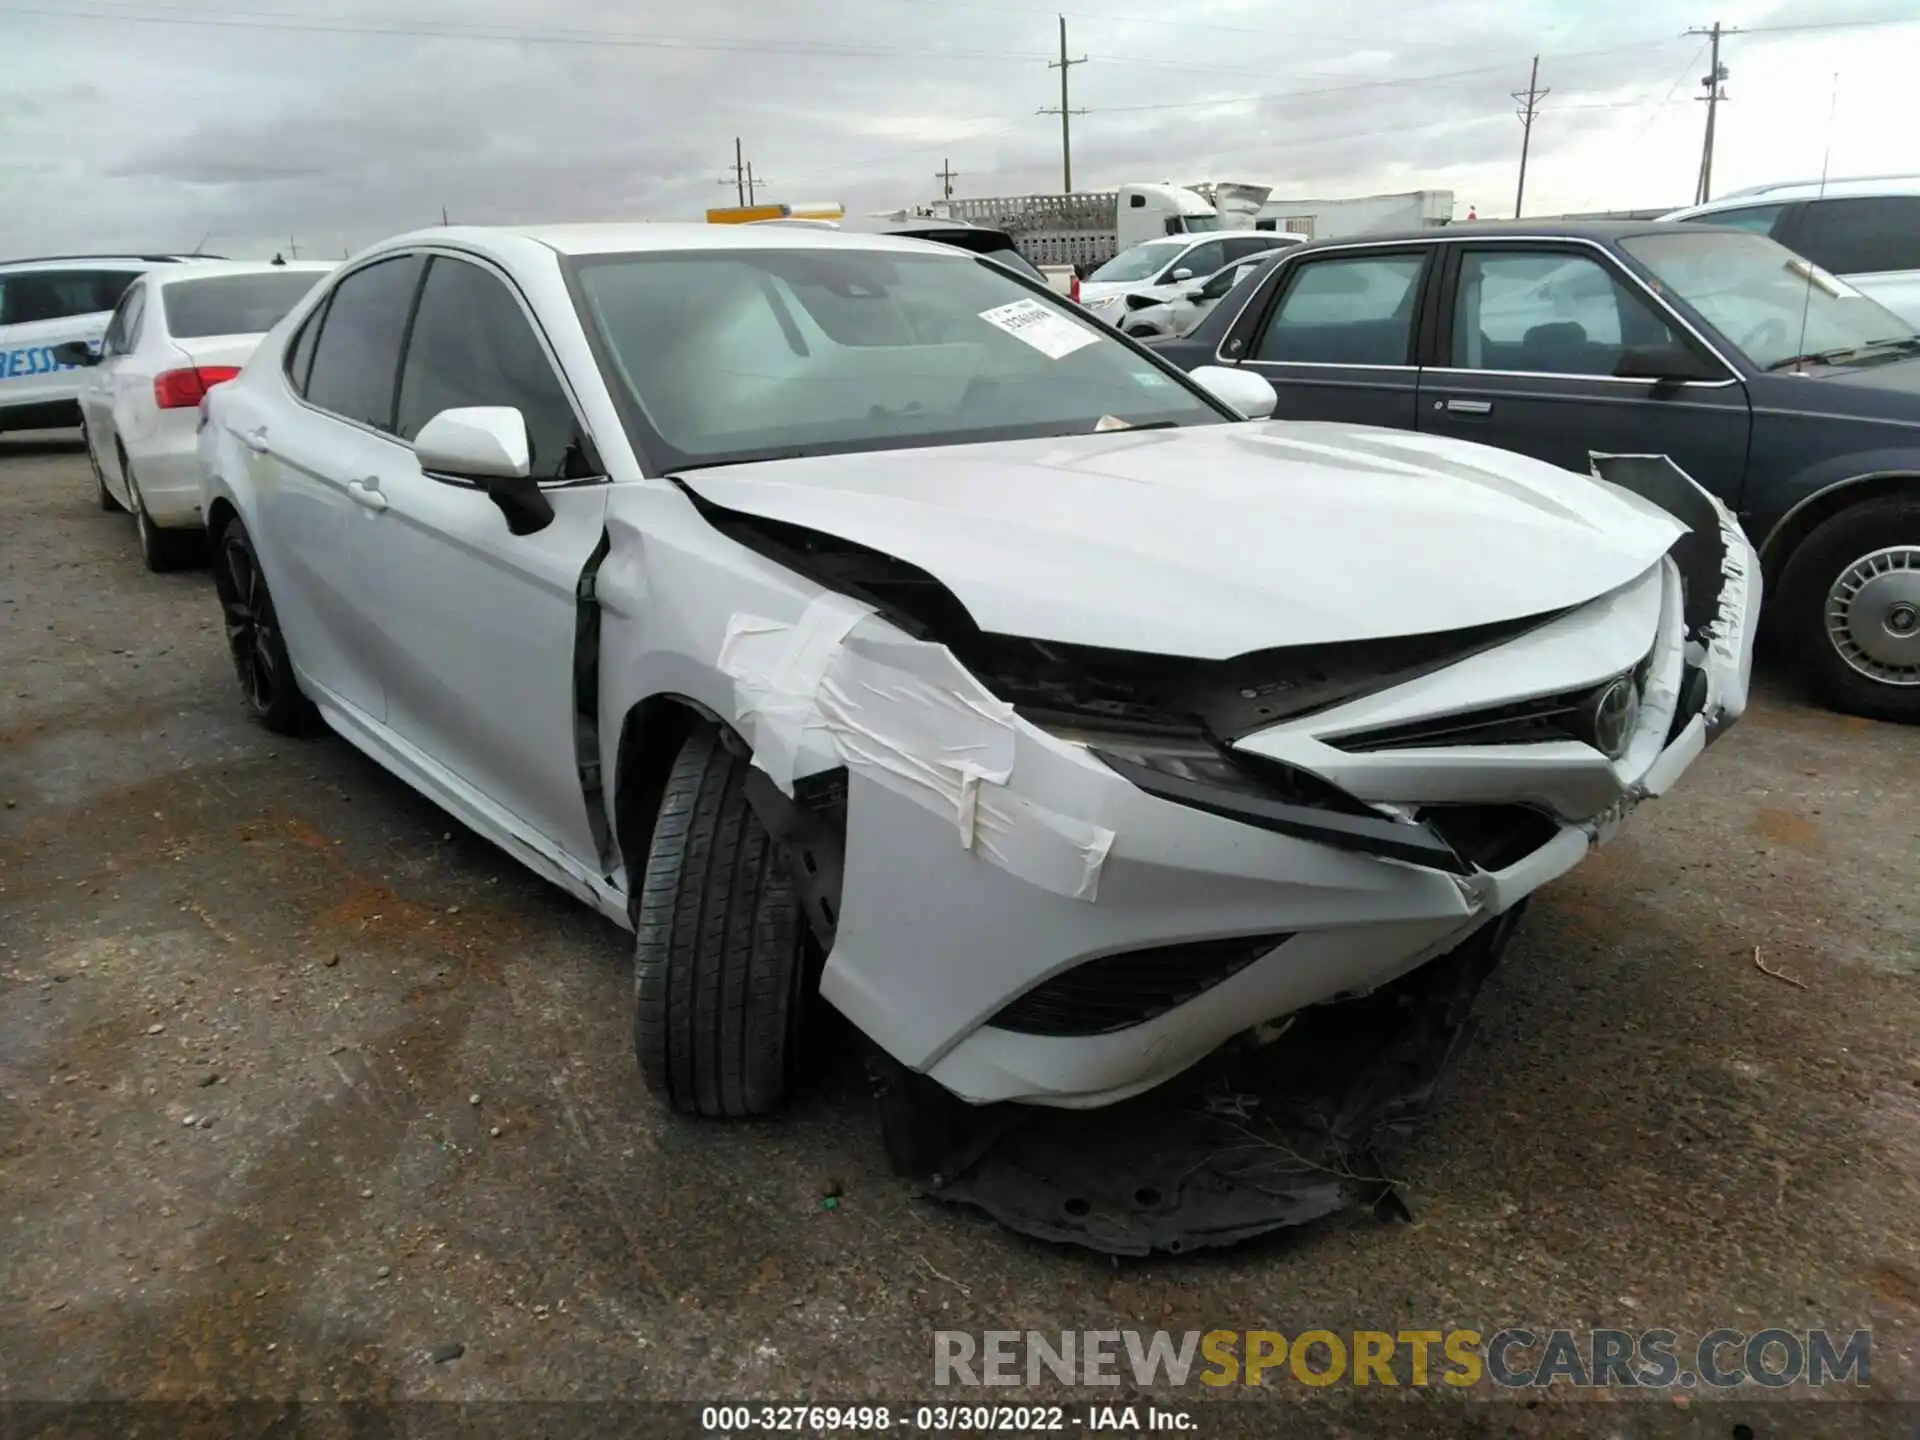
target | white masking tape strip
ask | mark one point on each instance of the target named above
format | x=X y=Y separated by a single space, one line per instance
x=1042 y=846
x=909 y=717
x=776 y=670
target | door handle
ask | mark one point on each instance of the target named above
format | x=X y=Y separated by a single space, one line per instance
x=255 y=439
x=1470 y=407
x=366 y=491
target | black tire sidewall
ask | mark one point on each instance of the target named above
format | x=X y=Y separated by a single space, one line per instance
x=683 y=973
x=290 y=712
x=1810 y=573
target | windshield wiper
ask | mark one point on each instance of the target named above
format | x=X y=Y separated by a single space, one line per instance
x=1841 y=354
x=1813 y=357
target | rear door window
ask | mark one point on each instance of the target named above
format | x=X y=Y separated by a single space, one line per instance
x=1863 y=236
x=356 y=359
x=1346 y=310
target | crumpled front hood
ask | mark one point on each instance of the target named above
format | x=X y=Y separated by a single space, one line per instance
x=1214 y=541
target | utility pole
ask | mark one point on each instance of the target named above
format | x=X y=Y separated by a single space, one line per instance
x=946 y=175
x=293 y=247
x=739 y=174
x=1065 y=110
x=1529 y=102
x=443 y=215
x=1713 y=80
x=751 y=182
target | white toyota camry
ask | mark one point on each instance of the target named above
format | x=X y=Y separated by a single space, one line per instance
x=178 y=331
x=843 y=612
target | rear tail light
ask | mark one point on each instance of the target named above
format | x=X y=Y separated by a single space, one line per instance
x=180 y=389
x=1073 y=292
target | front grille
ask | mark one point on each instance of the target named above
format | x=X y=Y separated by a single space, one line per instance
x=1491 y=836
x=1114 y=992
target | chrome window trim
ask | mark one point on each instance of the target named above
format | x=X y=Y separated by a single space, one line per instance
x=1441 y=237
x=1570 y=375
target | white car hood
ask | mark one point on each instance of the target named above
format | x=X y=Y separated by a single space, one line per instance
x=1212 y=541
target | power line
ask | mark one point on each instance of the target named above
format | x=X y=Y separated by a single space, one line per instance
x=487 y=32
x=1529 y=101
x=1065 y=111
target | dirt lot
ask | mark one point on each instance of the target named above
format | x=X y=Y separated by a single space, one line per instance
x=303 y=1086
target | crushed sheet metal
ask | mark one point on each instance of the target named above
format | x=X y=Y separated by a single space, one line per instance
x=908 y=716
x=1250 y=1141
x=1725 y=554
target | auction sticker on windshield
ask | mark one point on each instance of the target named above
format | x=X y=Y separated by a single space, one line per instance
x=1053 y=335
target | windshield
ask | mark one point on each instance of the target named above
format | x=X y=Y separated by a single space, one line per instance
x=1194 y=224
x=233 y=304
x=1140 y=262
x=1769 y=302
x=748 y=354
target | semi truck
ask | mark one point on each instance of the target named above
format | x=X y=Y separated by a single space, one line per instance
x=1326 y=219
x=1085 y=229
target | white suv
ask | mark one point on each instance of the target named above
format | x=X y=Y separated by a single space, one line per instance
x=1865 y=230
x=44 y=304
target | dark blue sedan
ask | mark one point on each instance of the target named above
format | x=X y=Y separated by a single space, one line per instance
x=1782 y=389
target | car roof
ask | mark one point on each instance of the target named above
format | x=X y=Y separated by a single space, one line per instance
x=646 y=236
x=97 y=262
x=1836 y=187
x=208 y=269
x=1601 y=231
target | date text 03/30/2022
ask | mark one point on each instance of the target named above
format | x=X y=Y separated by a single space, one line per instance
x=721 y=1420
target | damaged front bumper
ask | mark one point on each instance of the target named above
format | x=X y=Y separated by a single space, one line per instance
x=1017 y=918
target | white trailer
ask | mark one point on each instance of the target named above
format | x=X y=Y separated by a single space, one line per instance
x=1324 y=219
x=1086 y=229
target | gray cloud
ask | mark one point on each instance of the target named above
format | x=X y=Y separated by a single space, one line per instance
x=267 y=127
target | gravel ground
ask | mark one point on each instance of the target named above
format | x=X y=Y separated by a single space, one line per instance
x=305 y=1091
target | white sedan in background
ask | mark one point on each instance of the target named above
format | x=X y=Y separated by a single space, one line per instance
x=1161 y=310
x=179 y=330
x=848 y=614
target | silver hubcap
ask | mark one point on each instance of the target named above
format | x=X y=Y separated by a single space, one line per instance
x=1873 y=615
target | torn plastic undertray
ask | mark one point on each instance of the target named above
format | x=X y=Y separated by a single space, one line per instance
x=1243 y=1144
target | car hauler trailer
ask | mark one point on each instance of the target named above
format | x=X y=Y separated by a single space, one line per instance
x=1086 y=229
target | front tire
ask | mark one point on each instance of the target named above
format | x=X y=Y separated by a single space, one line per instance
x=259 y=650
x=718 y=945
x=1850 y=603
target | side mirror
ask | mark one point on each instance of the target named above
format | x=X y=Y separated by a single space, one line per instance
x=1196 y=292
x=1183 y=273
x=78 y=352
x=487 y=445
x=1671 y=364
x=1240 y=390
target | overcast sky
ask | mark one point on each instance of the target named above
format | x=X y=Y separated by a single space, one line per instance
x=259 y=123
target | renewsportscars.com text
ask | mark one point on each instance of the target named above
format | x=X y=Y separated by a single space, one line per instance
x=1511 y=1358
